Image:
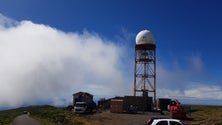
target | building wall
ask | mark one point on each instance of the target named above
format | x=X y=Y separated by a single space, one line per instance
x=82 y=97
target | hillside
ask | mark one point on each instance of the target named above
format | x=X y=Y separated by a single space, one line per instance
x=206 y=115
x=49 y=115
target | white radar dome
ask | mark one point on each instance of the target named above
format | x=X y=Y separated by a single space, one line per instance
x=145 y=37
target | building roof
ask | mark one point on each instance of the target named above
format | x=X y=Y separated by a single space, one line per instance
x=83 y=93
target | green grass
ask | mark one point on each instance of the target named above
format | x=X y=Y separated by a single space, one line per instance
x=7 y=116
x=47 y=115
x=207 y=115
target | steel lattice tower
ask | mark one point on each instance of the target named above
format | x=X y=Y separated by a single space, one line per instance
x=145 y=64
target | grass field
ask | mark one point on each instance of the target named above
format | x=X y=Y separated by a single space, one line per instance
x=49 y=115
x=206 y=115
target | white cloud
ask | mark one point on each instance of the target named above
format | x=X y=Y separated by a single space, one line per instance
x=196 y=64
x=170 y=93
x=180 y=74
x=201 y=91
x=42 y=64
x=6 y=22
x=205 y=92
x=188 y=82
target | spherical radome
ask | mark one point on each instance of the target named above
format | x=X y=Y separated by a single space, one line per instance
x=145 y=37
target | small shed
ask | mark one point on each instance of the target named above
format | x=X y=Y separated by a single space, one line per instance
x=82 y=97
x=116 y=106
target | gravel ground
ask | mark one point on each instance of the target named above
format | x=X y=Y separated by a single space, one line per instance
x=107 y=118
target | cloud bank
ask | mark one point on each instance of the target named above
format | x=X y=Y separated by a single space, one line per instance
x=40 y=64
x=189 y=82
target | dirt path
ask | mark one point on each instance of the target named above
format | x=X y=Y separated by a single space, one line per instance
x=25 y=120
x=107 y=118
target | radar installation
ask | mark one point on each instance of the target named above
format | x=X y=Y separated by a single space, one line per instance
x=145 y=64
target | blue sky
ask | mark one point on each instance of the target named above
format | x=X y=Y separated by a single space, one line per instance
x=187 y=33
x=184 y=27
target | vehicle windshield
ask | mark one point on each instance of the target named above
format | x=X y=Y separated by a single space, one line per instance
x=80 y=105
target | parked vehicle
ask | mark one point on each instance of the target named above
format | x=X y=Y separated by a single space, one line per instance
x=163 y=121
x=83 y=102
x=177 y=110
x=132 y=109
x=84 y=107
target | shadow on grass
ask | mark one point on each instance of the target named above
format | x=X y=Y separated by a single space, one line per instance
x=194 y=110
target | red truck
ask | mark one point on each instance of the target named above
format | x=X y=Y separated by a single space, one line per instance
x=177 y=110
